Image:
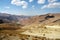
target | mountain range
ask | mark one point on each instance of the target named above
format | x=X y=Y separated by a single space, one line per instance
x=8 y=18
x=49 y=18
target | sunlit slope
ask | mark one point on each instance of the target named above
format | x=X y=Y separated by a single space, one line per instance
x=16 y=34
x=48 y=31
x=30 y=32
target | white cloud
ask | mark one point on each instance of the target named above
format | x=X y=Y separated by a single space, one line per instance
x=15 y=2
x=41 y=1
x=30 y=0
x=24 y=4
x=52 y=1
x=19 y=3
x=52 y=5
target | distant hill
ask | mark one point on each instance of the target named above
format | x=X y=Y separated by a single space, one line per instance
x=11 y=22
x=7 y=18
x=43 y=19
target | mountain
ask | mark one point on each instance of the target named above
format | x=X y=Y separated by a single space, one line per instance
x=32 y=30
x=7 y=18
x=11 y=22
x=49 y=18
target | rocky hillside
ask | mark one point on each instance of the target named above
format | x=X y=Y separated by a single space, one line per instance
x=49 y=18
x=31 y=28
x=43 y=19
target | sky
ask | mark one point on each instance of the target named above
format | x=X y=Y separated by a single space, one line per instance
x=29 y=7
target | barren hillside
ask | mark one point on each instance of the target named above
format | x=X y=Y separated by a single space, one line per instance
x=42 y=19
x=40 y=27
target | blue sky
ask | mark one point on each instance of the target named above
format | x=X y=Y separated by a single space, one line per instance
x=29 y=7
